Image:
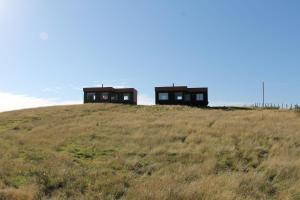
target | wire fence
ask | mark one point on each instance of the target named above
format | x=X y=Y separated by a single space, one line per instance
x=277 y=106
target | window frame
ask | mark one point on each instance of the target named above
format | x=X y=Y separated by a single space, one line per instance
x=163 y=93
x=91 y=96
x=114 y=97
x=178 y=94
x=126 y=95
x=201 y=95
x=102 y=96
x=189 y=97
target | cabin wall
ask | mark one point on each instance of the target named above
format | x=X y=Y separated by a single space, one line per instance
x=98 y=97
x=173 y=101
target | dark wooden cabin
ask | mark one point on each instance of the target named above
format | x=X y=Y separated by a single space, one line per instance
x=181 y=95
x=110 y=95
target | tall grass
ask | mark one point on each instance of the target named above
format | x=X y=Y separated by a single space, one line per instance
x=138 y=152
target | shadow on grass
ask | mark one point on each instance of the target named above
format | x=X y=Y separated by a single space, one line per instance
x=229 y=108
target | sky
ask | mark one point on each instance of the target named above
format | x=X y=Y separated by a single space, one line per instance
x=51 y=49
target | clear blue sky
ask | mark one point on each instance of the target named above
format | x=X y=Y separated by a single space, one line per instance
x=229 y=46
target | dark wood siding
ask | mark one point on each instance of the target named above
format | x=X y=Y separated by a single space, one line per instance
x=185 y=91
x=114 y=95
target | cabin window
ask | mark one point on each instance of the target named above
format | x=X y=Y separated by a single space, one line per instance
x=178 y=96
x=187 y=97
x=114 y=97
x=104 y=96
x=200 y=97
x=126 y=97
x=163 y=96
x=91 y=97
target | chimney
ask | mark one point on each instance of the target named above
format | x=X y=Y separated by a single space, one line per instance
x=173 y=85
x=102 y=85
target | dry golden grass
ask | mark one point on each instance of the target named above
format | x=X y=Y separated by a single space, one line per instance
x=139 y=152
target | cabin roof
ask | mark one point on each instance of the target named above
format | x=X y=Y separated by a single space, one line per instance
x=180 y=89
x=108 y=89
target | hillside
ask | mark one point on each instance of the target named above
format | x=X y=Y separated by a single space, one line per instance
x=158 y=152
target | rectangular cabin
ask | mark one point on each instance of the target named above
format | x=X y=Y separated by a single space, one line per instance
x=110 y=95
x=181 y=95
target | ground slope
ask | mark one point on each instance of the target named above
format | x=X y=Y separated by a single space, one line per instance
x=139 y=152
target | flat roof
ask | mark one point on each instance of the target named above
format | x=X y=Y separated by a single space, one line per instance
x=180 y=89
x=108 y=89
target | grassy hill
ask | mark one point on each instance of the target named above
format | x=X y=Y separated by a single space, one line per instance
x=139 y=152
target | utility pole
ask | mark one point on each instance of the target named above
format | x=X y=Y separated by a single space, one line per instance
x=263 y=87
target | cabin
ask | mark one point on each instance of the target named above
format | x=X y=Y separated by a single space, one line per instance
x=181 y=95
x=110 y=95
